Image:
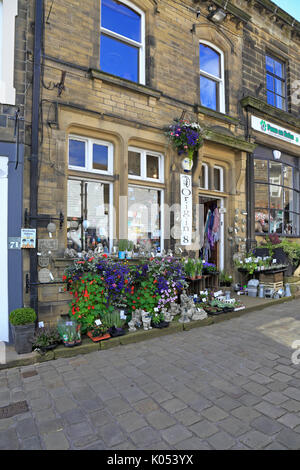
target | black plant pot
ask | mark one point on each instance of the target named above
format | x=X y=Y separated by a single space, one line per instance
x=163 y=324
x=113 y=331
x=23 y=336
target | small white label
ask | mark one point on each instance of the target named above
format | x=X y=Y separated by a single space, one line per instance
x=51 y=276
x=98 y=322
x=274 y=261
x=156 y=309
x=204 y=300
x=195 y=296
x=41 y=324
x=122 y=315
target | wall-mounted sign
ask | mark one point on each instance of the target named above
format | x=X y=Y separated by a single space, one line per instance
x=14 y=243
x=28 y=237
x=274 y=130
x=186 y=197
x=48 y=244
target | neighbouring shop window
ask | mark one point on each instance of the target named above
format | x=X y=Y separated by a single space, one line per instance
x=204 y=176
x=145 y=216
x=211 y=77
x=90 y=155
x=145 y=165
x=276 y=198
x=89 y=219
x=276 y=82
x=122 y=41
x=218 y=178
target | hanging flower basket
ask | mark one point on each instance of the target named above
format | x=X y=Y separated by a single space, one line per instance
x=185 y=137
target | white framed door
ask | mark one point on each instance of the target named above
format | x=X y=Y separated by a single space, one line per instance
x=3 y=249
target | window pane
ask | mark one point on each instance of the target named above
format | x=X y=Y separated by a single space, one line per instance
x=296 y=179
x=261 y=220
x=276 y=197
x=97 y=214
x=74 y=199
x=279 y=102
x=76 y=153
x=270 y=83
x=208 y=93
x=100 y=157
x=210 y=61
x=144 y=216
x=121 y=19
x=271 y=98
x=279 y=87
x=276 y=221
x=119 y=58
x=291 y=223
x=261 y=195
x=217 y=179
x=203 y=181
x=275 y=173
x=261 y=170
x=152 y=167
x=134 y=163
x=288 y=176
x=278 y=69
x=296 y=201
x=269 y=64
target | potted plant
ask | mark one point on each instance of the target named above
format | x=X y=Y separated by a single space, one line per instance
x=46 y=338
x=190 y=268
x=69 y=331
x=123 y=244
x=225 y=279
x=157 y=320
x=185 y=137
x=199 y=267
x=129 y=249
x=22 y=321
x=98 y=332
x=115 y=324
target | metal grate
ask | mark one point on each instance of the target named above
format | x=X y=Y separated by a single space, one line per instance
x=29 y=373
x=13 y=409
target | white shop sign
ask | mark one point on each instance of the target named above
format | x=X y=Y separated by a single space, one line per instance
x=274 y=130
x=186 y=209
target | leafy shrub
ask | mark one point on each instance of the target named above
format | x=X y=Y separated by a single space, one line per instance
x=22 y=316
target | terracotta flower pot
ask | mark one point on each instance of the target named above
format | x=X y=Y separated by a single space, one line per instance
x=97 y=338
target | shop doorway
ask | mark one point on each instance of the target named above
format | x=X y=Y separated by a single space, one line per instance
x=4 y=250
x=211 y=225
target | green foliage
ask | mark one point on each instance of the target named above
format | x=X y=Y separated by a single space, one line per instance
x=225 y=278
x=190 y=267
x=144 y=296
x=69 y=331
x=22 y=316
x=113 y=319
x=157 y=318
x=46 y=337
x=123 y=245
x=292 y=250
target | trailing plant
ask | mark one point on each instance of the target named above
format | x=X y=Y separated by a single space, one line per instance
x=185 y=136
x=209 y=268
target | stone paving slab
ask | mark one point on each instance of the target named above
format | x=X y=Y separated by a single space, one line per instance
x=230 y=385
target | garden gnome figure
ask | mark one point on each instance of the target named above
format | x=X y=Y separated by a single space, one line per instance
x=146 y=319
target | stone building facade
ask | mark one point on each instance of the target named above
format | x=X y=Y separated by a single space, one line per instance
x=114 y=76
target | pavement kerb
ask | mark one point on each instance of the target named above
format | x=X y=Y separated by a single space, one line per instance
x=87 y=346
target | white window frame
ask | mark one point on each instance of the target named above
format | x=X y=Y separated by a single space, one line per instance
x=205 y=185
x=7 y=51
x=131 y=42
x=162 y=208
x=221 y=190
x=219 y=80
x=89 y=155
x=143 y=177
x=111 y=204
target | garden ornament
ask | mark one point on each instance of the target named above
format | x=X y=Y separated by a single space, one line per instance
x=146 y=319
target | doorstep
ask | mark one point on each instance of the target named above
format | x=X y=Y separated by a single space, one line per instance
x=87 y=346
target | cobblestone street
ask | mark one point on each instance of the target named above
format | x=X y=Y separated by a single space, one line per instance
x=231 y=385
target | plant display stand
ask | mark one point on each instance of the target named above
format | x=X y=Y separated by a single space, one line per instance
x=207 y=281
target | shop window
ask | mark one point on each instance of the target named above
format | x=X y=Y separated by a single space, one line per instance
x=89 y=214
x=276 y=198
x=90 y=155
x=8 y=13
x=212 y=93
x=145 y=207
x=204 y=176
x=122 y=43
x=145 y=165
x=218 y=178
x=276 y=82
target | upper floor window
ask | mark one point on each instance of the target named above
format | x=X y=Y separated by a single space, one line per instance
x=90 y=155
x=276 y=82
x=145 y=165
x=218 y=178
x=211 y=77
x=204 y=176
x=122 y=44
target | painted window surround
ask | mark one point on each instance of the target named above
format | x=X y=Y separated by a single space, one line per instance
x=141 y=46
x=221 y=80
x=7 y=45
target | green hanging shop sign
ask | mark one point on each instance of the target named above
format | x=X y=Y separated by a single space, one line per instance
x=261 y=125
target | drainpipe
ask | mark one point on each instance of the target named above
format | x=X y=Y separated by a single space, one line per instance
x=39 y=11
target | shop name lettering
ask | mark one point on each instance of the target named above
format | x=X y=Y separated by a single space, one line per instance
x=186 y=208
x=158 y=459
x=281 y=132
